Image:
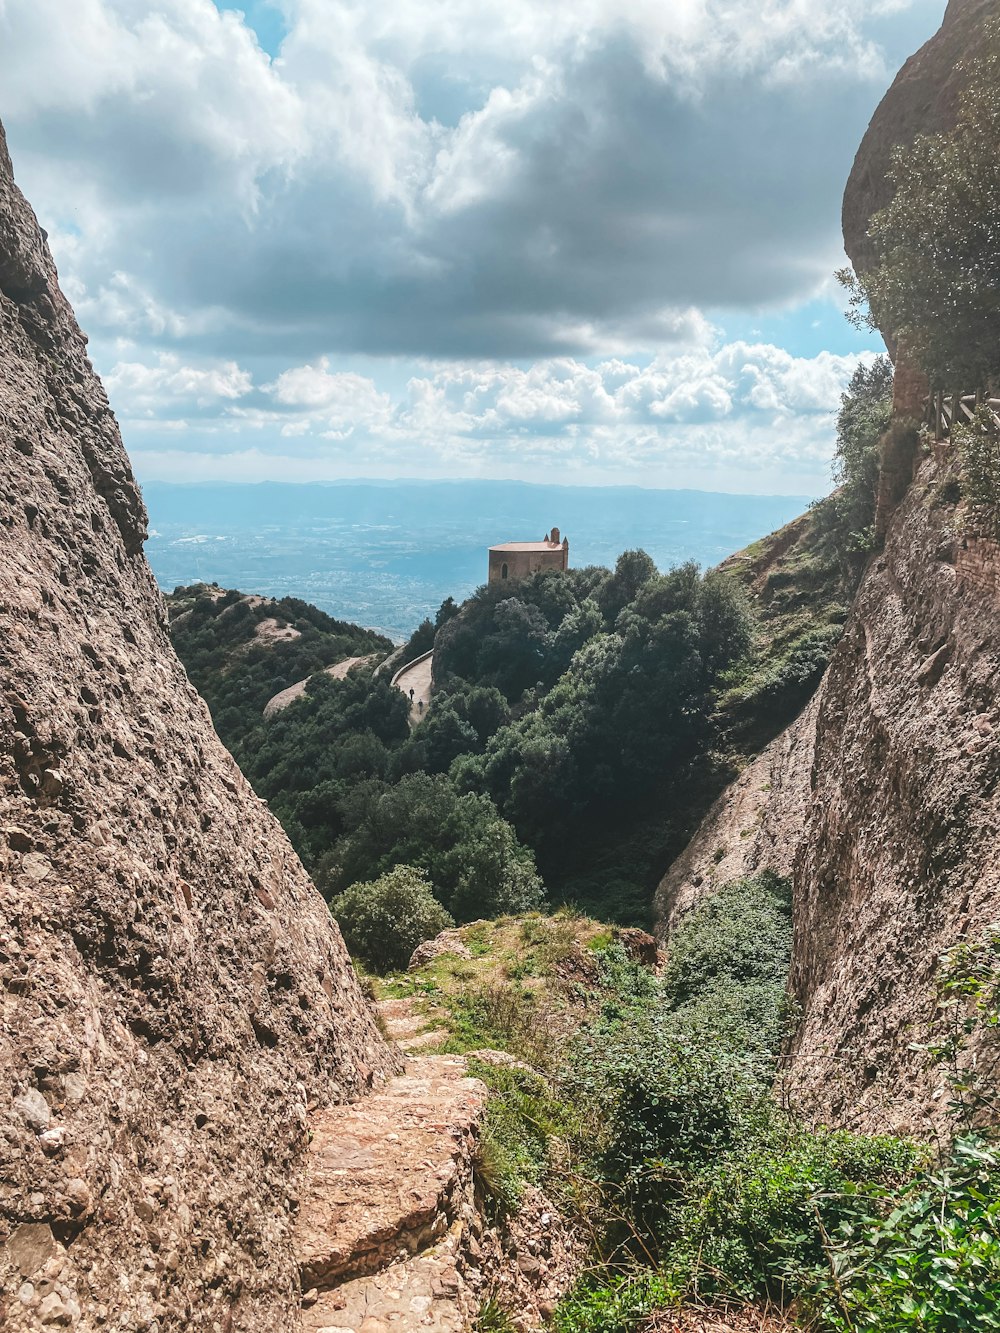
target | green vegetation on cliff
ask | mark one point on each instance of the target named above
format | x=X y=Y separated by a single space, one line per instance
x=937 y=273
x=801 y=579
x=643 y=1105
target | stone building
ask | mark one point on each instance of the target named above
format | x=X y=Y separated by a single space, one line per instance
x=515 y=560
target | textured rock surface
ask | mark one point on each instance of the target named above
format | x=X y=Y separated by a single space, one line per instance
x=412 y=1023
x=391 y=1232
x=923 y=100
x=387 y=1176
x=174 y=994
x=756 y=824
x=447 y=942
x=900 y=854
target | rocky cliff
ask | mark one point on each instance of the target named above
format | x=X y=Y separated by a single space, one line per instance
x=892 y=827
x=755 y=825
x=174 y=994
x=900 y=854
x=922 y=100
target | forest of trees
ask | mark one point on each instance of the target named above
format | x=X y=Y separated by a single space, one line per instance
x=580 y=724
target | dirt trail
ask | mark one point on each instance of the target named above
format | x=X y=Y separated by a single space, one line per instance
x=284 y=697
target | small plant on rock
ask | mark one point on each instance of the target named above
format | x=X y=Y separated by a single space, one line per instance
x=979 y=450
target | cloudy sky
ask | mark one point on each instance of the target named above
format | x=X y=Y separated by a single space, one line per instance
x=561 y=240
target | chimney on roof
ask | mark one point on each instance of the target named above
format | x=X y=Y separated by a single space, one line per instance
x=554 y=538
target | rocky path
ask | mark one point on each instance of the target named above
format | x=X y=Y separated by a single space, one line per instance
x=411 y=1024
x=390 y=1235
x=387 y=1212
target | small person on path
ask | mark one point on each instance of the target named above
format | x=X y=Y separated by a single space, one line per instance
x=411 y=694
x=420 y=705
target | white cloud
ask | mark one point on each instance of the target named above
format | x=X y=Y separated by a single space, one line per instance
x=751 y=408
x=169 y=386
x=552 y=204
x=477 y=177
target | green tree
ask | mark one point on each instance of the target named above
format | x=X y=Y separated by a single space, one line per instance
x=846 y=520
x=383 y=921
x=632 y=570
x=474 y=862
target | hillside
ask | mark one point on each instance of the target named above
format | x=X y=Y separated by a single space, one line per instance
x=505 y=662
x=243 y=651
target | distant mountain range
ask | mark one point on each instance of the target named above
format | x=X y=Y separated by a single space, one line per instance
x=387 y=553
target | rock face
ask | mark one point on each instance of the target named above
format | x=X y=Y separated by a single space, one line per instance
x=898 y=856
x=755 y=825
x=175 y=996
x=922 y=100
x=883 y=802
x=900 y=853
x=889 y=816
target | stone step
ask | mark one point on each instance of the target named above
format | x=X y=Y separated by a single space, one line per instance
x=424 y=1292
x=410 y=1024
x=387 y=1178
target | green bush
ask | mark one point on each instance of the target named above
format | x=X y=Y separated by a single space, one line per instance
x=741 y=935
x=756 y=1217
x=700 y=1174
x=618 y=1305
x=523 y=1119
x=978 y=447
x=384 y=920
x=845 y=521
x=471 y=856
x=930 y=1262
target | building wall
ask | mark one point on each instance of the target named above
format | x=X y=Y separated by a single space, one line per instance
x=520 y=564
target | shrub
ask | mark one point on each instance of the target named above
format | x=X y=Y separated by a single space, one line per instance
x=756 y=1217
x=522 y=1119
x=742 y=934
x=618 y=1305
x=845 y=521
x=384 y=920
x=979 y=451
x=471 y=856
x=931 y=1262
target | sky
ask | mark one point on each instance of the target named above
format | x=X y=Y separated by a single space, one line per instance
x=575 y=241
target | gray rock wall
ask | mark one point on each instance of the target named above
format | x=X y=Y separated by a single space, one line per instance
x=900 y=850
x=173 y=992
